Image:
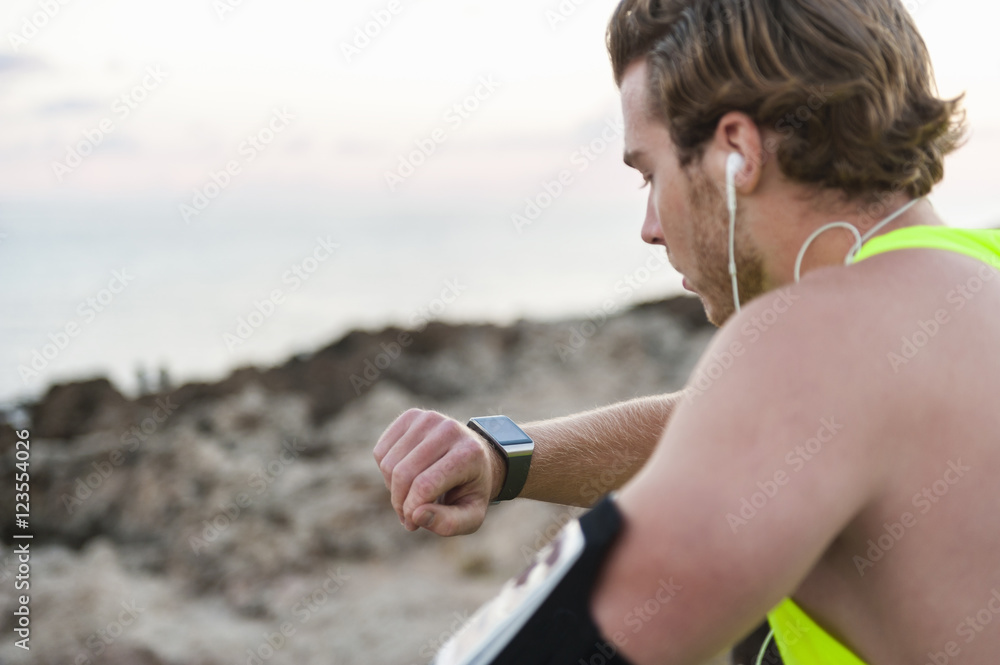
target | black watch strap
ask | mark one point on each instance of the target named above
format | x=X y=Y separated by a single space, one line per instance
x=514 y=446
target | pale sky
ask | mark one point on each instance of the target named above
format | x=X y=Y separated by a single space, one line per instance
x=224 y=76
x=256 y=103
x=226 y=71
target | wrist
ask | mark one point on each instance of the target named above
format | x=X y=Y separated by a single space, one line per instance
x=498 y=470
x=513 y=449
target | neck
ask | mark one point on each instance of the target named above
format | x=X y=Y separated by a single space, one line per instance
x=832 y=246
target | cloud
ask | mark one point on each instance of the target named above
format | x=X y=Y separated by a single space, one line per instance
x=71 y=106
x=15 y=64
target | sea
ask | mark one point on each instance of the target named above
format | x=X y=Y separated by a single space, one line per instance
x=126 y=289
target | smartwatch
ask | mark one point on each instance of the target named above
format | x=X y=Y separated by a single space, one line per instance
x=515 y=447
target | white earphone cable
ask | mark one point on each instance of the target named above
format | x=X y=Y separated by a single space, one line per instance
x=734 y=164
x=859 y=239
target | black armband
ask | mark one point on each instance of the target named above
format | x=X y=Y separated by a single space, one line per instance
x=543 y=617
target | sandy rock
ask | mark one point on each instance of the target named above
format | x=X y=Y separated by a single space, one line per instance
x=228 y=511
x=72 y=409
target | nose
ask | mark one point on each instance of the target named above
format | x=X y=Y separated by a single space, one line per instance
x=652 y=232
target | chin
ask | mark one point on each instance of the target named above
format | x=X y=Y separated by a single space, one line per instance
x=717 y=297
x=717 y=313
x=717 y=318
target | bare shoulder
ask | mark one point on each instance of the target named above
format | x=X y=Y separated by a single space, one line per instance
x=865 y=323
x=816 y=345
x=867 y=342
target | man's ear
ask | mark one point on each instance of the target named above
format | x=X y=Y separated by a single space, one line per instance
x=737 y=132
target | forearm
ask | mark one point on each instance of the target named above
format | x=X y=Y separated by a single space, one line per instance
x=581 y=457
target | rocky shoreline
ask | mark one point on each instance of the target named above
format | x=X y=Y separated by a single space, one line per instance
x=244 y=521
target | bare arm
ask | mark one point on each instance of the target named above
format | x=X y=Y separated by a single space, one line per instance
x=712 y=569
x=580 y=458
x=442 y=475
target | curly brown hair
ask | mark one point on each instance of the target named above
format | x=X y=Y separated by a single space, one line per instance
x=847 y=85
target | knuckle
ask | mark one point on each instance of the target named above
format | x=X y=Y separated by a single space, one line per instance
x=411 y=418
x=467 y=453
x=427 y=416
x=401 y=474
x=447 y=527
x=457 y=429
x=398 y=488
x=448 y=428
x=430 y=424
x=425 y=486
x=386 y=468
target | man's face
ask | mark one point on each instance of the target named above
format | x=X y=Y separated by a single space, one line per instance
x=686 y=212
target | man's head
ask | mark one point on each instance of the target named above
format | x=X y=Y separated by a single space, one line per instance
x=830 y=102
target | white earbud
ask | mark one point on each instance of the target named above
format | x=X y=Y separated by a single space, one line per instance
x=734 y=163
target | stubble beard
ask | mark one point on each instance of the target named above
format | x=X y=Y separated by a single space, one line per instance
x=711 y=249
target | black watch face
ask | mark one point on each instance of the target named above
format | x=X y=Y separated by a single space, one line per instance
x=503 y=430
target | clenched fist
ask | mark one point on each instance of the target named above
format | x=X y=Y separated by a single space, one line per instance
x=441 y=474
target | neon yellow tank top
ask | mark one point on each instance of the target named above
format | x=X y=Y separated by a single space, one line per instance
x=801 y=640
x=981 y=244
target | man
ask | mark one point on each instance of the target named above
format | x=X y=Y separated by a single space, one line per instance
x=839 y=470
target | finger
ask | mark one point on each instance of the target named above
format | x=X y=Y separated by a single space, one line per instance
x=459 y=465
x=456 y=519
x=418 y=429
x=423 y=457
x=394 y=432
x=446 y=435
